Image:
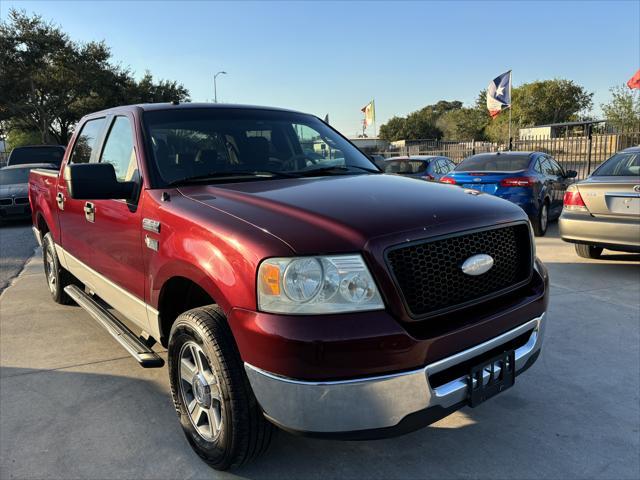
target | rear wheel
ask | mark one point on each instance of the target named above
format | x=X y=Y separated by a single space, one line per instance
x=541 y=222
x=588 y=251
x=57 y=277
x=217 y=409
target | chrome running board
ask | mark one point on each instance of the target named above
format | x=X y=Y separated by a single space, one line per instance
x=146 y=357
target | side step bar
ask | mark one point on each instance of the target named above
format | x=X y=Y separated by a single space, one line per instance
x=146 y=357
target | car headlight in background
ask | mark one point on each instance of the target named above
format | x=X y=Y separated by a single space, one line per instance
x=316 y=285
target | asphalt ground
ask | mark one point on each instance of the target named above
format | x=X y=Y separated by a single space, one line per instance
x=74 y=405
x=16 y=247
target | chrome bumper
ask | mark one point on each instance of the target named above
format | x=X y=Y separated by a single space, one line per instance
x=374 y=402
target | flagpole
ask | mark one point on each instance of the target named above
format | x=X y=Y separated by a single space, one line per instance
x=510 y=108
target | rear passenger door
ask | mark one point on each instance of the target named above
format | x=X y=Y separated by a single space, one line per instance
x=558 y=183
x=74 y=236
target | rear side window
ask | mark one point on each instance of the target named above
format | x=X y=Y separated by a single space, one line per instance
x=620 y=165
x=405 y=166
x=87 y=141
x=118 y=150
x=495 y=163
x=21 y=156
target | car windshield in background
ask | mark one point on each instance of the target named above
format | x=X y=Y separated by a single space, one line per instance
x=494 y=163
x=26 y=155
x=220 y=144
x=404 y=166
x=623 y=164
x=10 y=176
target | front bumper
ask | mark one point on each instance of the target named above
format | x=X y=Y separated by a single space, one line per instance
x=578 y=227
x=377 y=406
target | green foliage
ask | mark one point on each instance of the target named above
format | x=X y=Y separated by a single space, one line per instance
x=420 y=124
x=18 y=138
x=463 y=124
x=48 y=82
x=535 y=103
x=623 y=111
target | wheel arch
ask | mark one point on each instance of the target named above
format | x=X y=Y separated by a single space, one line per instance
x=178 y=295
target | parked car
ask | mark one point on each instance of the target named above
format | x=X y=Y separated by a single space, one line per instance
x=50 y=154
x=532 y=180
x=331 y=300
x=14 y=190
x=425 y=167
x=603 y=211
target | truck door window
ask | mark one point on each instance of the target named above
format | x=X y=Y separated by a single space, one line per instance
x=87 y=141
x=118 y=150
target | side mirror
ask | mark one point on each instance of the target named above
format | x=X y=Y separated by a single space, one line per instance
x=571 y=174
x=96 y=181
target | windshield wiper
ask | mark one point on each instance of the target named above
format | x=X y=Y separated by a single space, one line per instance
x=338 y=169
x=231 y=174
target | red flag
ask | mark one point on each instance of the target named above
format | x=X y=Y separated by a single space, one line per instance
x=634 y=82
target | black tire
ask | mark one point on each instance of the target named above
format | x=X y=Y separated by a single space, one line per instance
x=57 y=277
x=541 y=222
x=588 y=251
x=244 y=433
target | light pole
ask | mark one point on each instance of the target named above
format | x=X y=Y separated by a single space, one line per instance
x=215 y=87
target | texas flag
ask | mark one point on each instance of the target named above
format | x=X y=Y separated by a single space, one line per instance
x=499 y=94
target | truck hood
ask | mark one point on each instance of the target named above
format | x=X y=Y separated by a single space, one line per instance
x=343 y=213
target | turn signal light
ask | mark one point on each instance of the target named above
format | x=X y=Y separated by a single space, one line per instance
x=270 y=276
x=573 y=200
x=448 y=180
x=517 y=182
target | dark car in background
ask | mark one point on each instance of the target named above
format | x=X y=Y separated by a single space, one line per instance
x=532 y=180
x=603 y=211
x=14 y=190
x=425 y=167
x=49 y=154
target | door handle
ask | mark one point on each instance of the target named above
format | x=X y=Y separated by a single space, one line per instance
x=90 y=212
x=60 y=200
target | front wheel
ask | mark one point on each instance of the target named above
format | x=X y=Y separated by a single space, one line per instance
x=588 y=251
x=541 y=222
x=211 y=393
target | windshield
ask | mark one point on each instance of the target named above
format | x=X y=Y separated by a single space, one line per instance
x=21 y=156
x=257 y=144
x=404 y=166
x=9 y=176
x=494 y=163
x=620 y=165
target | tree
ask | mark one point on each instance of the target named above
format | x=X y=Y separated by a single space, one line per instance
x=420 y=124
x=394 y=129
x=463 y=124
x=48 y=82
x=623 y=111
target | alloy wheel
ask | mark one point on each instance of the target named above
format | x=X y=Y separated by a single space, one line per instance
x=201 y=391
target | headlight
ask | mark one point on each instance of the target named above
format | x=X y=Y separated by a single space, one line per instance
x=316 y=285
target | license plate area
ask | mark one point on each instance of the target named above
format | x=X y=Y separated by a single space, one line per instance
x=491 y=377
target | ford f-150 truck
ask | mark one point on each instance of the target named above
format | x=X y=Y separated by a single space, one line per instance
x=292 y=283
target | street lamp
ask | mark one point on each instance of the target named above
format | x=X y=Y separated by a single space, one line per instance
x=215 y=87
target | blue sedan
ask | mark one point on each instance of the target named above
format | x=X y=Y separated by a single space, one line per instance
x=532 y=180
x=424 y=167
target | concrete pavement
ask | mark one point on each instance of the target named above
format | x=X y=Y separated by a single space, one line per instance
x=74 y=405
x=16 y=246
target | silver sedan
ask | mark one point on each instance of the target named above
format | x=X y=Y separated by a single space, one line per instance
x=603 y=211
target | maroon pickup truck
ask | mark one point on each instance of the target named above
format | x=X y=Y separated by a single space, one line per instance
x=292 y=283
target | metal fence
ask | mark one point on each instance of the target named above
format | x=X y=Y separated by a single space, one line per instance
x=580 y=153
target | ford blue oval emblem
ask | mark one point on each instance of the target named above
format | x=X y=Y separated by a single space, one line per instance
x=477 y=264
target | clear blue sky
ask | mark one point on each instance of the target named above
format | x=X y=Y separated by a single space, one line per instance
x=334 y=57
